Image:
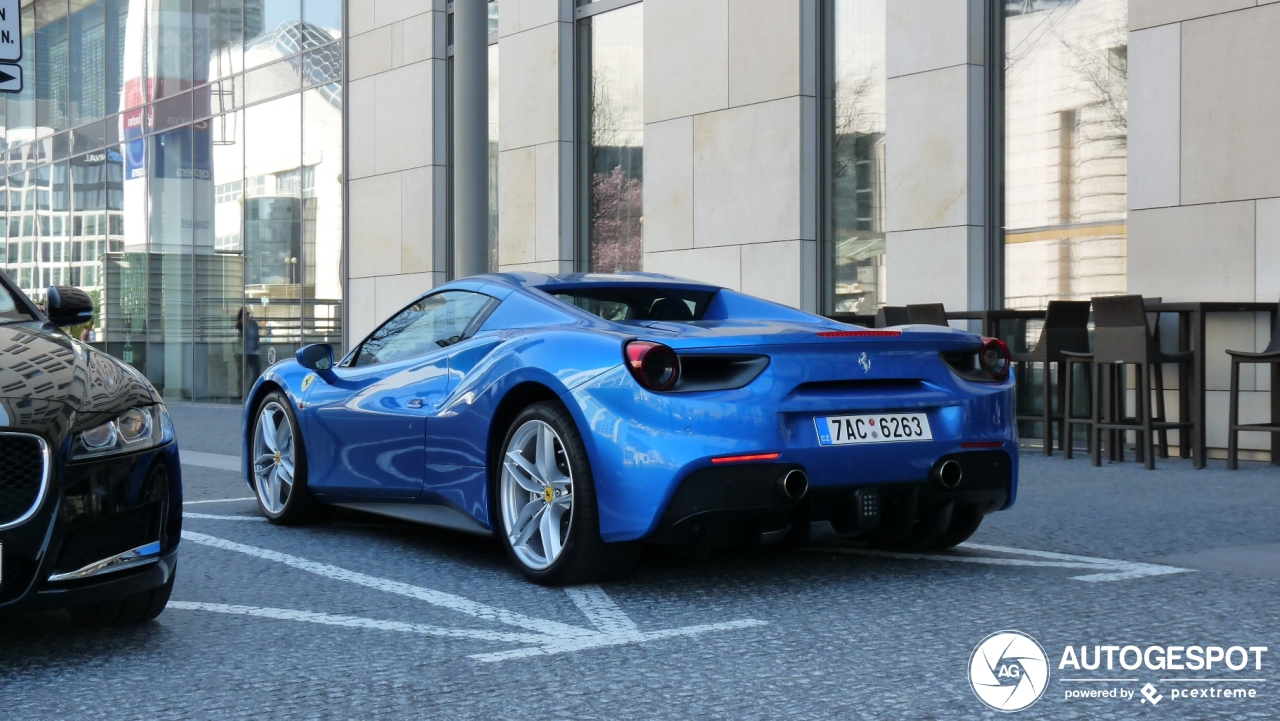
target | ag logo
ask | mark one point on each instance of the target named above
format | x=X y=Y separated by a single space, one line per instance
x=1008 y=671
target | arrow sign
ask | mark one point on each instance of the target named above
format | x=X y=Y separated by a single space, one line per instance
x=10 y=78
x=10 y=31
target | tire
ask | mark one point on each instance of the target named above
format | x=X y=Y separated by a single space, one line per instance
x=960 y=524
x=139 y=608
x=571 y=517
x=278 y=473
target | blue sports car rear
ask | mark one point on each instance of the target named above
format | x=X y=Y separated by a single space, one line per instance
x=576 y=416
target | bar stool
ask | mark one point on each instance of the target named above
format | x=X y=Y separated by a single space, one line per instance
x=891 y=315
x=1122 y=337
x=1066 y=329
x=927 y=314
x=1270 y=357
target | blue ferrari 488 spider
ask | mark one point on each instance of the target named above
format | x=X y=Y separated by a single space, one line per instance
x=576 y=416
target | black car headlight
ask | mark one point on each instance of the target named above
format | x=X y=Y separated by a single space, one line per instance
x=134 y=430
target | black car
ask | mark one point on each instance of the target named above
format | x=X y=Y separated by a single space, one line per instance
x=90 y=486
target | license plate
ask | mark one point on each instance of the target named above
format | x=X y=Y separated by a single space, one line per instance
x=880 y=428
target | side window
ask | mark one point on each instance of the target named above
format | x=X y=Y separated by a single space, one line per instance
x=432 y=323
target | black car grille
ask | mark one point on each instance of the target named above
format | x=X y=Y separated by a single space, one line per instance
x=21 y=475
x=109 y=536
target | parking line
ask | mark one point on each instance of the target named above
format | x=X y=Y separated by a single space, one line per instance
x=612 y=626
x=217 y=500
x=1109 y=569
x=210 y=517
x=327 y=619
x=220 y=461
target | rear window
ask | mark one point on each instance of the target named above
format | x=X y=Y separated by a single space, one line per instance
x=673 y=305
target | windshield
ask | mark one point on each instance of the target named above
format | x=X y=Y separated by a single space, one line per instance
x=640 y=302
x=10 y=307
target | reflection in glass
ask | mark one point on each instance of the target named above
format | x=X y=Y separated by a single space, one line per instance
x=854 y=107
x=1066 y=131
x=613 y=94
x=146 y=201
x=493 y=154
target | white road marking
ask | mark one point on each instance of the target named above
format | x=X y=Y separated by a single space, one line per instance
x=1109 y=569
x=209 y=517
x=286 y=614
x=612 y=626
x=219 y=461
x=603 y=613
x=217 y=500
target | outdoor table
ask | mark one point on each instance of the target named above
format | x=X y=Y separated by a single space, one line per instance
x=1191 y=336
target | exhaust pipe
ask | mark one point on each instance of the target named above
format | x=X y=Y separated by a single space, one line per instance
x=793 y=484
x=949 y=474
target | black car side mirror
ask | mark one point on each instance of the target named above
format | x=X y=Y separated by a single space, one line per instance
x=318 y=357
x=68 y=306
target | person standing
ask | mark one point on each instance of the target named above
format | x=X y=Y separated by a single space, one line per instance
x=251 y=333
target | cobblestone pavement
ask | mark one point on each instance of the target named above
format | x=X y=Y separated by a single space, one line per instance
x=363 y=617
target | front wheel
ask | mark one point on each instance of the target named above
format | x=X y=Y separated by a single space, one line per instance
x=549 y=523
x=279 y=471
x=139 y=608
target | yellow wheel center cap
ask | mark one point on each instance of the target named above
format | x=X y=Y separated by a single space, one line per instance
x=277 y=458
x=548 y=494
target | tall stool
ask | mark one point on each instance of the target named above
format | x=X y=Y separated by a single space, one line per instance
x=1066 y=329
x=1270 y=357
x=927 y=314
x=891 y=315
x=1121 y=338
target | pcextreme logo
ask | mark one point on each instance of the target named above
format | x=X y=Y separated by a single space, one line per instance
x=1008 y=671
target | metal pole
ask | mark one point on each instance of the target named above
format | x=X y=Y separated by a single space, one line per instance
x=470 y=137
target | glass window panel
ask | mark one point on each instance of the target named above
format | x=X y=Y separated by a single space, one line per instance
x=271 y=31
x=61 y=144
x=126 y=38
x=20 y=114
x=88 y=66
x=324 y=14
x=493 y=154
x=170 y=47
x=226 y=23
x=170 y=162
x=430 y=324
x=200 y=42
x=52 y=67
x=200 y=98
x=322 y=217
x=614 y=157
x=273 y=224
x=493 y=16
x=323 y=67
x=170 y=113
x=854 y=160
x=1066 y=131
x=89 y=137
x=271 y=81
x=220 y=368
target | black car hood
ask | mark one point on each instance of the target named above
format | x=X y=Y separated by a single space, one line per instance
x=46 y=376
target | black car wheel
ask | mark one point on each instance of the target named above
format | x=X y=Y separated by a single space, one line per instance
x=139 y=608
x=279 y=469
x=547 y=518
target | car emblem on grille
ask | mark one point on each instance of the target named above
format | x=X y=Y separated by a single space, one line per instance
x=865 y=362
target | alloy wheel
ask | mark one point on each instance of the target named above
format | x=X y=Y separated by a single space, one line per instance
x=273 y=458
x=536 y=494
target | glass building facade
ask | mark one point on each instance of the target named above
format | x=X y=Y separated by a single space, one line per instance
x=182 y=161
x=1065 y=150
x=854 y=158
x=611 y=137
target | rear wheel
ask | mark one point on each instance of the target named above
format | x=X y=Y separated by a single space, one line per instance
x=139 y=608
x=549 y=523
x=279 y=470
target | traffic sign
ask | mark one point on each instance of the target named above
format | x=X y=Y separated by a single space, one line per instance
x=10 y=78
x=10 y=31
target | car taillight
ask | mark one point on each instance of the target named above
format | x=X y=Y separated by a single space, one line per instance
x=655 y=366
x=994 y=358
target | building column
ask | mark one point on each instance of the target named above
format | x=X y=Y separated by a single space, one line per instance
x=470 y=137
x=936 y=168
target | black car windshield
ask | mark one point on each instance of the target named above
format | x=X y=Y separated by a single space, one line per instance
x=11 y=308
x=623 y=303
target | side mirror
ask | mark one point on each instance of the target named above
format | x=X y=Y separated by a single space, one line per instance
x=68 y=305
x=319 y=358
